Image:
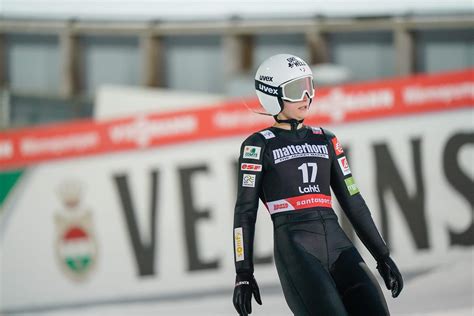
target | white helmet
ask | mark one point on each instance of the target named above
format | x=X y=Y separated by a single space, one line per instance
x=283 y=77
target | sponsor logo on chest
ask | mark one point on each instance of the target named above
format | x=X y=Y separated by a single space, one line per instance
x=309 y=189
x=299 y=151
x=280 y=206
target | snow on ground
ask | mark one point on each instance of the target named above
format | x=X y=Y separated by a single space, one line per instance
x=445 y=289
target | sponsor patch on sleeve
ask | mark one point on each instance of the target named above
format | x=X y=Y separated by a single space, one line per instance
x=239 y=244
x=316 y=130
x=251 y=167
x=252 y=152
x=248 y=180
x=337 y=146
x=267 y=134
x=351 y=186
x=344 y=165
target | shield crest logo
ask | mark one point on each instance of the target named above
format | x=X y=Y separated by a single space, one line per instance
x=76 y=245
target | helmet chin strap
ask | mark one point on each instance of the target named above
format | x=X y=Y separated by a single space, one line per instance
x=293 y=122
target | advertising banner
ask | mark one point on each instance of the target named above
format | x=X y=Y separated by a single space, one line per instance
x=142 y=207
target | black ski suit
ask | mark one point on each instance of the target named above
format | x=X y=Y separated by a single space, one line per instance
x=320 y=270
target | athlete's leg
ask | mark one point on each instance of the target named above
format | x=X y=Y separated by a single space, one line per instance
x=307 y=284
x=357 y=286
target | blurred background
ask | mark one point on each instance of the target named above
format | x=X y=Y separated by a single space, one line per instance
x=120 y=127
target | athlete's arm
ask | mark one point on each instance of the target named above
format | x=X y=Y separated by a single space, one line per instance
x=354 y=206
x=352 y=202
x=246 y=206
x=245 y=216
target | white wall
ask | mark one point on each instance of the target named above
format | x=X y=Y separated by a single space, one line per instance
x=32 y=274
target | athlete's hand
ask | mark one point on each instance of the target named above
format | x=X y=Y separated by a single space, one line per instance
x=245 y=286
x=391 y=275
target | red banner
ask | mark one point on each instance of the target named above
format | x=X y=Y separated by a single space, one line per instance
x=347 y=103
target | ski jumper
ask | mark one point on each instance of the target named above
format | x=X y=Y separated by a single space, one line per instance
x=320 y=270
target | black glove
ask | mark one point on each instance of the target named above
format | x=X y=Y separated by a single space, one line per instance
x=245 y=285
x=391 y=275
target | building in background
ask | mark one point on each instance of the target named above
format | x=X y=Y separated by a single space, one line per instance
x=131 y=214
x=54 y=55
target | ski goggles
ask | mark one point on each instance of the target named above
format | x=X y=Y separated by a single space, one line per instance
x=293 y=90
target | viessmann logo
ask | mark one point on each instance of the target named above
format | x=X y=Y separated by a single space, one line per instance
x=143 y=130
x=298 y=151
x=338 y=102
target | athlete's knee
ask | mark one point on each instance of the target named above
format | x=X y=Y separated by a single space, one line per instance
x=364 y=299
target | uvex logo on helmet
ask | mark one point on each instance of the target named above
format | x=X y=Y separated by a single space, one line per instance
x=268 y=90
x=266 y=78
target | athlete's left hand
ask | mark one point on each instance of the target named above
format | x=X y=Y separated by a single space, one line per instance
x=391 y=275
x=245 y=286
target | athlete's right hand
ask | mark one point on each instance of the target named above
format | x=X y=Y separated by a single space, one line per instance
x=391 y=275
x=245 y=286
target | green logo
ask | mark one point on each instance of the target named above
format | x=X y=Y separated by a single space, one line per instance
x=351 y=186
x=252 y=152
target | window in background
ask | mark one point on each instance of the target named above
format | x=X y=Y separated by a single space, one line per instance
x=443 y=50
x=32 y=63
x=271 y=44
x=368 y=56
x=109 y=60
x=193 y=63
